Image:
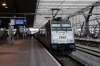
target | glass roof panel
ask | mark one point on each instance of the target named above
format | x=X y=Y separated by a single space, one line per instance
x=67 y=7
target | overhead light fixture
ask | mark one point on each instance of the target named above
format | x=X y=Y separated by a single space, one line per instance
x=6 y=7
x=3 y=4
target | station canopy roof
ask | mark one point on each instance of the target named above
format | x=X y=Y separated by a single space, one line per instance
x=67 y=7
x=9 y=8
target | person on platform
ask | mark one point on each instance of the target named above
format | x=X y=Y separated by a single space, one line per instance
x=12 y=38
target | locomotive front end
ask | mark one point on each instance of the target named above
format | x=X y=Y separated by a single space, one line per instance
x=62 y=37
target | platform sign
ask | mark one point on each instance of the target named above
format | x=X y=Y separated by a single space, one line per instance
x=25 y=23
x=20 y=22
x=12 y=22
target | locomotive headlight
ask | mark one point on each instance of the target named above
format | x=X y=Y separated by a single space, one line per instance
x=55 y=41
x=69 y=40
x=62 y=33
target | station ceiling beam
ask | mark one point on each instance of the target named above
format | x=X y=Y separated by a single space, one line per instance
x=44 y=14
x=98 y=23
x=85 y=9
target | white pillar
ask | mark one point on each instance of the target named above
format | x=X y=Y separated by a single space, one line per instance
x=9 y=33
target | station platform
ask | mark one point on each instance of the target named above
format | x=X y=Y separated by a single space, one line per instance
x=25 y=53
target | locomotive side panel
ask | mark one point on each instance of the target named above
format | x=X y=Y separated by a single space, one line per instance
x=42 y=37
x=47 y=34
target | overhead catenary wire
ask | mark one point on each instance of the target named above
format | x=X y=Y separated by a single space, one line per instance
x=73 y=5
x=62 y=13
x=45 y=14
x=41 y=14
x=49 y=10
x=48 y=16
x=68 y=14
x=61 y=4
x=96 y=13
x=97 y=3
x=53 y=7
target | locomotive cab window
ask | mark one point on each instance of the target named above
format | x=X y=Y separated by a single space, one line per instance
x=55 y=27
x=66 y=27
x=61 y=27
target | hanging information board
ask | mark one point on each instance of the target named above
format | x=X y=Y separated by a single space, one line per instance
x=19 y=22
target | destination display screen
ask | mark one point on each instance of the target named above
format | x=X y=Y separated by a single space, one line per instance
x=20 y=22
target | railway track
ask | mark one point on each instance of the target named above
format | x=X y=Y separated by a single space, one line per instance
x=95 y=44
x=79 y=58
x=88 y=55
x=67 y=60
x=89 y=50
x=84 y=56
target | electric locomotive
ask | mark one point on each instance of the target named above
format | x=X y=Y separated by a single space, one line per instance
x=57 y=35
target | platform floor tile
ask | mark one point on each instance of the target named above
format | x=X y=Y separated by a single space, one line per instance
x=17 y=54
x=42 y=57
x=14 y=59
